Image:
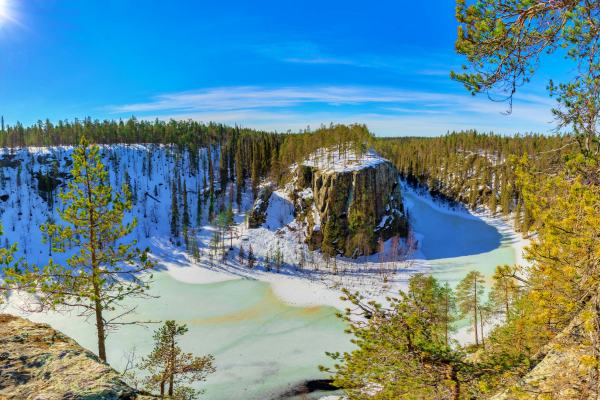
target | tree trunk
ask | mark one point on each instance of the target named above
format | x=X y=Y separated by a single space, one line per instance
x=99 y=324
x=446 y=317
x=172 y=366
x=95 y=274
x=506 y=302
x=475 y=309
x=481 y=324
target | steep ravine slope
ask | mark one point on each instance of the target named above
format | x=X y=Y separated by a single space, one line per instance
x=37 y=362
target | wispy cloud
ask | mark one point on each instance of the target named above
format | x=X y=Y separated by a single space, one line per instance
x=412 y=62
x=240 y=97
x=386 y=110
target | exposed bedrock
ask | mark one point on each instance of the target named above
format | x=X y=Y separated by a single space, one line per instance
x=38 y=362
x=258 y=215
x=347 y=211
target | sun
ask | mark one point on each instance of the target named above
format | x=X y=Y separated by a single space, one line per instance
x=6 y=14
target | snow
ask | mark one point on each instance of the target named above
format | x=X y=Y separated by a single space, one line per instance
x=336 y=160
x=446 y=250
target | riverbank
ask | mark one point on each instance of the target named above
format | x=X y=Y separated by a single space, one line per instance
x=312 y=286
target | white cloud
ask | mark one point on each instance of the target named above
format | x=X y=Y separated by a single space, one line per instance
x=387 y=111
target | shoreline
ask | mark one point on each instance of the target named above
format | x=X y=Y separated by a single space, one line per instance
x=308 y=288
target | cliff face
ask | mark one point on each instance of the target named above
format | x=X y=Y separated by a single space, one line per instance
x=257 y=216
x=37 y=362
x=348 y=207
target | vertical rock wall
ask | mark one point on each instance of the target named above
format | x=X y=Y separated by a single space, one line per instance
x=351 y=208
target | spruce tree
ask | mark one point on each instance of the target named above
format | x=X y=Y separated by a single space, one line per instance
x=242 y=255
x=174 y=212
x=251 y=257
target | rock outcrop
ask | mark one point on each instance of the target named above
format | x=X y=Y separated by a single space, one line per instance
x=258 y=214
x=40 y=363
x=563 y=371
x=347 y=206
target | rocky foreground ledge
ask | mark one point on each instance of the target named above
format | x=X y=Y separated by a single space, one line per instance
x=40 y=363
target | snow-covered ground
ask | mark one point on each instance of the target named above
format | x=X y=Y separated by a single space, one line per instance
x=151 y=169
x=445 y=242
x=338 y=160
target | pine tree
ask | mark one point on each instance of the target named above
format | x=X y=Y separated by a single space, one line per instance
x=211 y=173
x=230 y=224
x=239 y=170
x=6 y=261
x=469 y=296
x=449 y=312
x=505 y=291
x=255 y=177
x=100 y=275
x=199 y=210
x=405 y=339
x=168 y=366
x=278 y=258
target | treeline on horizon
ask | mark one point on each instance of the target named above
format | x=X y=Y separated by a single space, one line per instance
x=538 y=179
x=468 y=166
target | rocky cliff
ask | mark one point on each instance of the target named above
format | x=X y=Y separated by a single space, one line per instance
x=37 y=362
x=348 y=203
x=563 y=369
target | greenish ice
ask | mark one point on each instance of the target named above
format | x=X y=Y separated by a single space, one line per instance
x=262 y=346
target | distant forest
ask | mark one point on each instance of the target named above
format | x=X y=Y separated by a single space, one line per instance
x=467 y=167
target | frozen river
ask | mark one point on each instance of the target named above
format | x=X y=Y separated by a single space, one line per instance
x=263 y=346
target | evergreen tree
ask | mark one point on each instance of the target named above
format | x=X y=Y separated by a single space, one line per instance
x=251 y=257
x=401 y=349
x=174 y=212
x=185 y=219
x=469 y=296
x=6 y=261
x=242 y=255
x=505 y=291
x=169 y=367
x=105 y=269
x=240 y=181
x=255 y=177
x=199 y=209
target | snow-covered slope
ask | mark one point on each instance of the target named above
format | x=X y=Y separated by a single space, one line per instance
x=149 y=170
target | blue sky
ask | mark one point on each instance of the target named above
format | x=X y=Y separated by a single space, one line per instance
x=266 y=64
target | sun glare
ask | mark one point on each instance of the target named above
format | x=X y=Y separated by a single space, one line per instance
x=5 y=12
